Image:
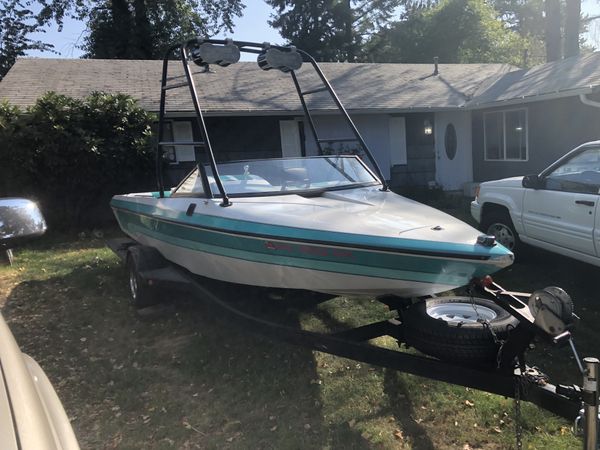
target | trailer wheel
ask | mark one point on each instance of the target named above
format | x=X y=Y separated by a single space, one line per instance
x=140 y=259
x=460 y=329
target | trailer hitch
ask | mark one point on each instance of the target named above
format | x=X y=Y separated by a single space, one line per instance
x=549 y=313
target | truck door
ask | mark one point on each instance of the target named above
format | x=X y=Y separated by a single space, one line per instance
x=563 y=211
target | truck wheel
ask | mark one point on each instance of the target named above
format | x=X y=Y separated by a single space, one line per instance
x=499 y=224
x=459 y=329
x=140 y=259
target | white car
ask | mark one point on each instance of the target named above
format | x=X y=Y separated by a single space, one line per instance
x=31 y=414
x=554 y=210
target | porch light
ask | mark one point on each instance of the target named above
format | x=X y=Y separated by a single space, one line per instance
x=427 y=127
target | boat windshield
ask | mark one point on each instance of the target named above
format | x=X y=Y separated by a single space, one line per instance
x=277 y=176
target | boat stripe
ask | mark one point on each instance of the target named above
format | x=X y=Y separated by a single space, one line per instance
x=396 y=266
x=302 y=263
x=350 y=240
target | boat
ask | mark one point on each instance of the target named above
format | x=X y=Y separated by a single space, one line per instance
x=327 y=223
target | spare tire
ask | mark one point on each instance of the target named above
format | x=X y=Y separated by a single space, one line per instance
x=459 y=329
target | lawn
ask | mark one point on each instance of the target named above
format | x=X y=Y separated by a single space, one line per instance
x=179 y=376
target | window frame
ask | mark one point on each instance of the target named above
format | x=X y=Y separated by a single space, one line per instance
x=504 y=158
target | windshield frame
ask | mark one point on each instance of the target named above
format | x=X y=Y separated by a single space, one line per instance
x=310 y=192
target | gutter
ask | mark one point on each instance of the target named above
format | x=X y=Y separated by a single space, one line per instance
x=317 y=112
x=588 y=102
x=581 y=91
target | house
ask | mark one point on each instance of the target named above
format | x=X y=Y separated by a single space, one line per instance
x=529 y=118
x=449 y=124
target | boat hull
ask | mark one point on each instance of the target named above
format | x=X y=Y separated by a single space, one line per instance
x=263 y=256
x=241 y=271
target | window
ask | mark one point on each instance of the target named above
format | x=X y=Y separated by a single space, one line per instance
x=505 y=135
x=580 y=174
x=191 y=186
x=178 y=131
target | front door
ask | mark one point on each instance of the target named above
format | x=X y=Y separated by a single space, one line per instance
x=563 y=212
x=454 y=158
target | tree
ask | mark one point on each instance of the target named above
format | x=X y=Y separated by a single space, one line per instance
x=572 y=27
x=136 y=29
x=17 y=22
x=549 y=22
x=547 y=25
x=74 y=154
x=552 y=32
x=331 y=30
x=458 y=31
x=144 y=29
x=526 y=17
x=141 y=29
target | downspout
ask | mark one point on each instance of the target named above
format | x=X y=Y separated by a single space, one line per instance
x=587 y=101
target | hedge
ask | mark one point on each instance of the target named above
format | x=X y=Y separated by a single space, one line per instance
x=72 y=155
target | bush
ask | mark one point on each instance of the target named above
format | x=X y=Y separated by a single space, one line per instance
x=72 y=155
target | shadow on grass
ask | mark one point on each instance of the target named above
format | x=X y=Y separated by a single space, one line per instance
x=174 y=377
x=181 y=376
x=399 y=401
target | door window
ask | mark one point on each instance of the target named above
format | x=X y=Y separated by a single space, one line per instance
x=450 y=141
x=581 y=173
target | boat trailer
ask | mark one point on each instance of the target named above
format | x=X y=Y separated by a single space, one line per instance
x=545 y=314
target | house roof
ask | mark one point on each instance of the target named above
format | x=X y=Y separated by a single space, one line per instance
x=570 y=76
x=244 y=89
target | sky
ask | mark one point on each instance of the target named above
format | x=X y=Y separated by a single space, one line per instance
x=252 y=26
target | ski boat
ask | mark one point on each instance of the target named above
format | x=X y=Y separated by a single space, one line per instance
x=326 y=223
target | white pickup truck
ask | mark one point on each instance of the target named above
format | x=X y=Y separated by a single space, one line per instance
x=555 y=210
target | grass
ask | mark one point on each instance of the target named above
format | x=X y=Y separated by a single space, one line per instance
x=180 y=376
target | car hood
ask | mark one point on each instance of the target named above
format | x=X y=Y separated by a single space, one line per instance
x=504 y=182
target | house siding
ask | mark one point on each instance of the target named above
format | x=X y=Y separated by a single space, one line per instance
x=554 y=128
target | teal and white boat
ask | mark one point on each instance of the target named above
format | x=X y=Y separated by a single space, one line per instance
x=326 y=223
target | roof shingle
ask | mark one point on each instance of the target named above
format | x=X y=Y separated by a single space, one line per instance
x=569 y=76
x=244 y=89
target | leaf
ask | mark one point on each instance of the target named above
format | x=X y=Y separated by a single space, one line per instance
x=469 y=403
x=399 y=435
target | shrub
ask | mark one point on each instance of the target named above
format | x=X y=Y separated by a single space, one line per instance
x=72 y=155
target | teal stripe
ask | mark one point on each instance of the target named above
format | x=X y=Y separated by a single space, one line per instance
x=365 y=263
x=359 y=240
